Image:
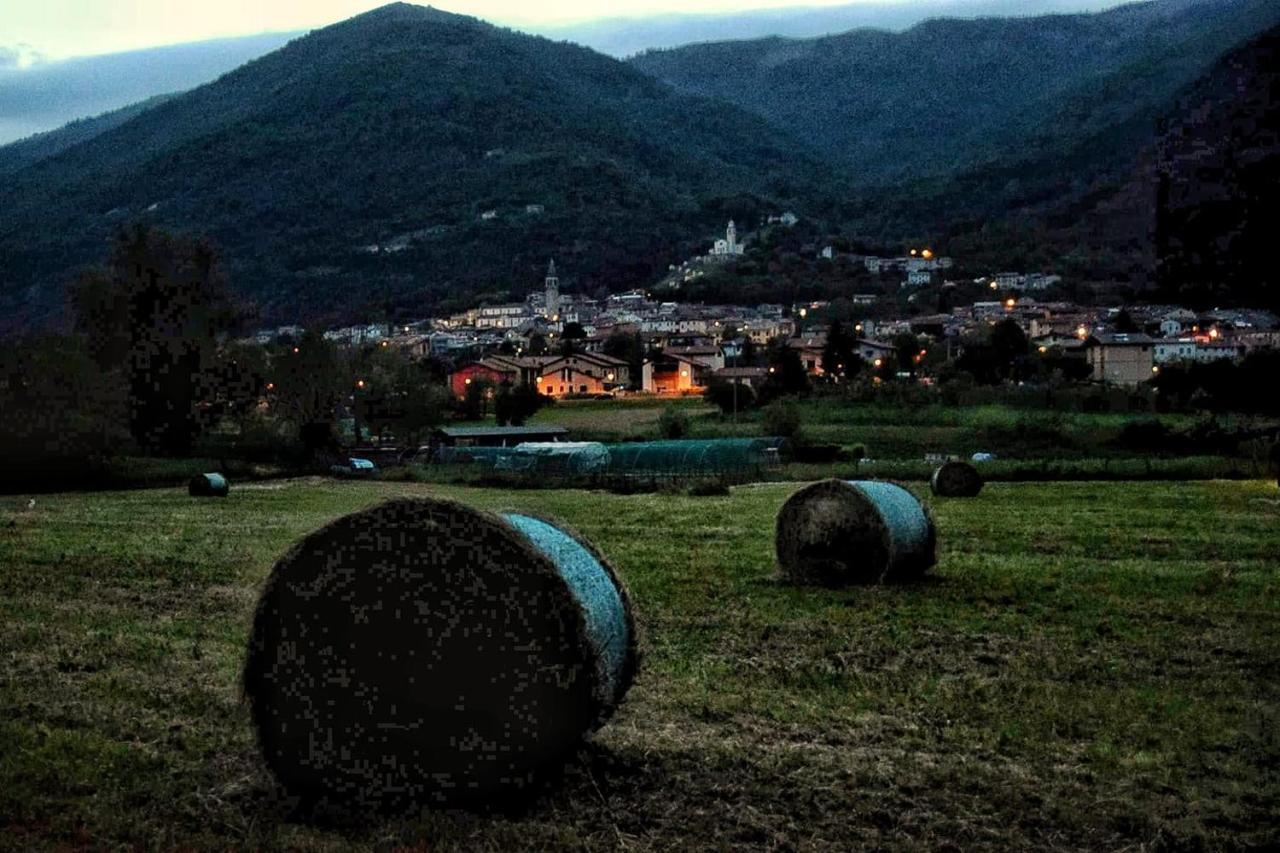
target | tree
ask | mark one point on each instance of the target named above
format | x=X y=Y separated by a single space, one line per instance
x=787 y=375
x=1124 y=324
x=157 y=314
x=59 y=411
x=571 y=337
x=514 y=406
x=906 y=347
x=306 y=382
x=475 y=402
x=840 y=355
x=629 y=348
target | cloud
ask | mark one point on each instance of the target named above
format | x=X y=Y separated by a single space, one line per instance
x=19 y=56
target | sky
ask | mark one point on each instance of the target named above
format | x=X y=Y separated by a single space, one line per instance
x=34 y=29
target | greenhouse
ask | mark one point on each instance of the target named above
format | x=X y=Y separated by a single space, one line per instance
x=563 y=458
x=734 y=457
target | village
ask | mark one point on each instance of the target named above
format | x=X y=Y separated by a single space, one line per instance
x=556 y=342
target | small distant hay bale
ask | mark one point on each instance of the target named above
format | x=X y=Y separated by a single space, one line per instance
x=208 y=486
x=840 y=532
x=956 y=480
x=422 y=651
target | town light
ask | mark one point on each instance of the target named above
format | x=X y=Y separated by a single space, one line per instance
x=1043 y=350
x=295 y=350
x=994 y=285
x=914 y=253
x=467 y=381
x=927 y=254
x=1082 y=332
x=804 y=312
x=1155 y=368
x=684 y=373
x=271 y=386
x=610 y=377
x=1213 y=333
x=386 y=344
x=359 y=383
x=1010 y=302
x=773 y=370
x=858 y=328
x=879 y=362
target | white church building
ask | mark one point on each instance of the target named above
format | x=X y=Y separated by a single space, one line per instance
x=729 y=246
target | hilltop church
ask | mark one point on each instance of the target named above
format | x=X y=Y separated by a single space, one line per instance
x=729 y=246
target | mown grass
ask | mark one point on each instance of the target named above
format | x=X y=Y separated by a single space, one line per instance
x=1090 y=666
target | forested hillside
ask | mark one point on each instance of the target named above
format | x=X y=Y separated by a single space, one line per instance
x=400 y=129
x=951 y=95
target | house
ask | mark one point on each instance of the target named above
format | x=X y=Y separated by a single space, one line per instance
x=470 y=374
x=918 y=278
x=872 y=350
x=752 y=377
x=809 y=348
x=583 y=373
x=1181 y=349
x=676 y=373
x=1121 y=359
x=712 y=355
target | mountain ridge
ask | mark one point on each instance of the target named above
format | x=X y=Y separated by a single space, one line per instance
x=413 y=121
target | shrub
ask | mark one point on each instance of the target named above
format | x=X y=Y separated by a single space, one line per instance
x=721 y=394
x=673 y=423
x=710 y=487
x=782 y=418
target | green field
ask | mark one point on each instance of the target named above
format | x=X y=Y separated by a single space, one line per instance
x=1090 y=666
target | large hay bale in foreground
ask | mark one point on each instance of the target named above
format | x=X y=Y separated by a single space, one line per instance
x=956 y=480
x=423 y=651
x=208 y=486
x=841 y=532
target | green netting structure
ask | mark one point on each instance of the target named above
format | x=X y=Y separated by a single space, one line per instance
x=740 y=459
x=733 y=457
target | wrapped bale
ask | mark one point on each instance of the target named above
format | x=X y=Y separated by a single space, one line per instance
x=956 y=480
x=841 y=532
x=425 y=652
x=208 y=486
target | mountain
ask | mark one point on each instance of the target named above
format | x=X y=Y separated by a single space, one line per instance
x=1217 y=168
x=628 y=36
x=33 y=149
x=399 y=128
x=948 y=96
x=49 y=94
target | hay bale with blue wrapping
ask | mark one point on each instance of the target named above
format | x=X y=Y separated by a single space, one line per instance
x=956 y=480
x=208 y=486
x=422 y=651
x=840 y=532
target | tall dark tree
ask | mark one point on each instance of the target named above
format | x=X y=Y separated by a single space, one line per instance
x=157 y=314
x=840 y=355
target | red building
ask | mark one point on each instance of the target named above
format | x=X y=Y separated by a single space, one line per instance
x=464 y=376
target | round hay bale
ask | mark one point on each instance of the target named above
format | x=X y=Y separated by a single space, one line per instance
x=422 y=651
x=956 y=480
x=208 y=486
x=840 y=532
